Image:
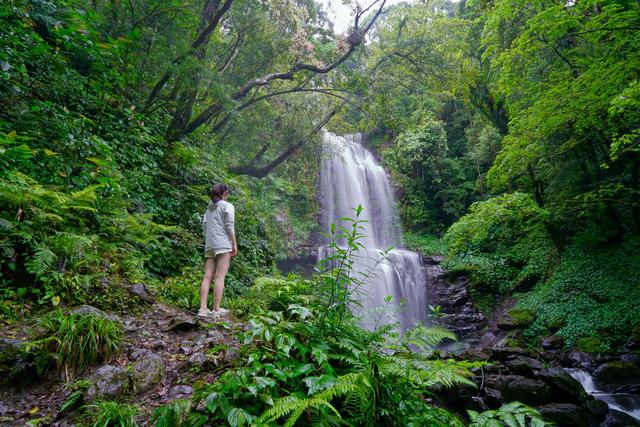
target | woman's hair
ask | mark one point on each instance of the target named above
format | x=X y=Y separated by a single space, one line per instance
x=217 y=191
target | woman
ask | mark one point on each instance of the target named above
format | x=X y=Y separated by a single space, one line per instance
x=220 y=245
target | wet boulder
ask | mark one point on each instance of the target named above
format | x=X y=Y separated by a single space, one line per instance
x=597 y=407
x=516 y=387
x=566 y=415
x=613 y=375
x=146 y=372
x=109 y=382
x=553 y=342
x=564 y=388
x=619 y=419
x=523 y=365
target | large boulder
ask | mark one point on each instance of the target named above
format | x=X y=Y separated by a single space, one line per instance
x=109 y=382
x=566 y=415
x=140 y=291
x=564 y=388
x=610 y=376
x=146 y=372
x=516 y=387
x=553 y=342
x=182 y=323
x=523 y=365
x=597 y=407
x=619 y=419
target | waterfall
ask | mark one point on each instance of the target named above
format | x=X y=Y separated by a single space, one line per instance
x=350 y=175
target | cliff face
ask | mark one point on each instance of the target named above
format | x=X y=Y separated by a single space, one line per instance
x=456 y=310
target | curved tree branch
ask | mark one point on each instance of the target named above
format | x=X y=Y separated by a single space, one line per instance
x=354 y=40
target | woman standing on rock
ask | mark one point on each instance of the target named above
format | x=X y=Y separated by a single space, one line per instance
x=220 y=245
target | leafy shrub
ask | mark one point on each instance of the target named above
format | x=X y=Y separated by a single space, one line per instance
x=426 y=244
x=503 y=243
x=307 y=358
x=183 y=290
x=78 y=341
x=513 y=414
x=277 y=294
x=177 y=414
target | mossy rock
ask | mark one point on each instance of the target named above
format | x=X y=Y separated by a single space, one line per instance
x=522 y=317
x=556 y=323
x=515 y=339
x=591 y=345
x=516 y=319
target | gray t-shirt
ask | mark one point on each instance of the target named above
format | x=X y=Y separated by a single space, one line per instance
x=217 y=223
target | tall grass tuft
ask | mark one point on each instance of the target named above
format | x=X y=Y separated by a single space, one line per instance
x=79 y=341
x=106 y=413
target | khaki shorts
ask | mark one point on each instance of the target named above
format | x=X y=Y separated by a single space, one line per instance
x=212 y=253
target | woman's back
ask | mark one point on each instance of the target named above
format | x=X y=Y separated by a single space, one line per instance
x=218 y=224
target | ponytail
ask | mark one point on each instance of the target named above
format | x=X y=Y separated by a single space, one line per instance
x=217 y=191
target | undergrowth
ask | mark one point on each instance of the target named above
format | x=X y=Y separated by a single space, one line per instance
x=307 y=361
x=592 y=295
x=77 y=341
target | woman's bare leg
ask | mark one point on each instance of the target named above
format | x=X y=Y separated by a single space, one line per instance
x=222 y=265
x=209 y=271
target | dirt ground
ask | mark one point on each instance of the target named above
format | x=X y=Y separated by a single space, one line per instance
x=192 y=351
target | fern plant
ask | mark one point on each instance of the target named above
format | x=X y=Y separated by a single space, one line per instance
x=308 y=361
x=512 y=414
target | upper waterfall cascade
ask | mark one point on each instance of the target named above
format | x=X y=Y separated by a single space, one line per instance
x=350 y=176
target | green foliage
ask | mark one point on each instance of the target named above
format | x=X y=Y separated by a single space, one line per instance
x=105 y=413
x=503 y=243
x=593 y=290
x=78 y=341
x=307 y=360
x=177 y=414
x=426 y=244
x=434 y=183
x=521 y=317
x=513 y=414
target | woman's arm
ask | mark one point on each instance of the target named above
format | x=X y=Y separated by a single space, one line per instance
x=230 y=228
x=234 y=245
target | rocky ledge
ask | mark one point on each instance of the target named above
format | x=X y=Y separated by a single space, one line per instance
x=543 y=379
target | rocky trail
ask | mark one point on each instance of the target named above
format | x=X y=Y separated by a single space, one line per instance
x=165 y=351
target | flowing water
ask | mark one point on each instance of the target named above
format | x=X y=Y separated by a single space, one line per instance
x=350 y=175
x=623 y=402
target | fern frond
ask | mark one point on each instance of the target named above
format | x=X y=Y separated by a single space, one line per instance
x=71 y=400
x=427 y=373
x=512 y=414
x=426 y=338
x=41 y=261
